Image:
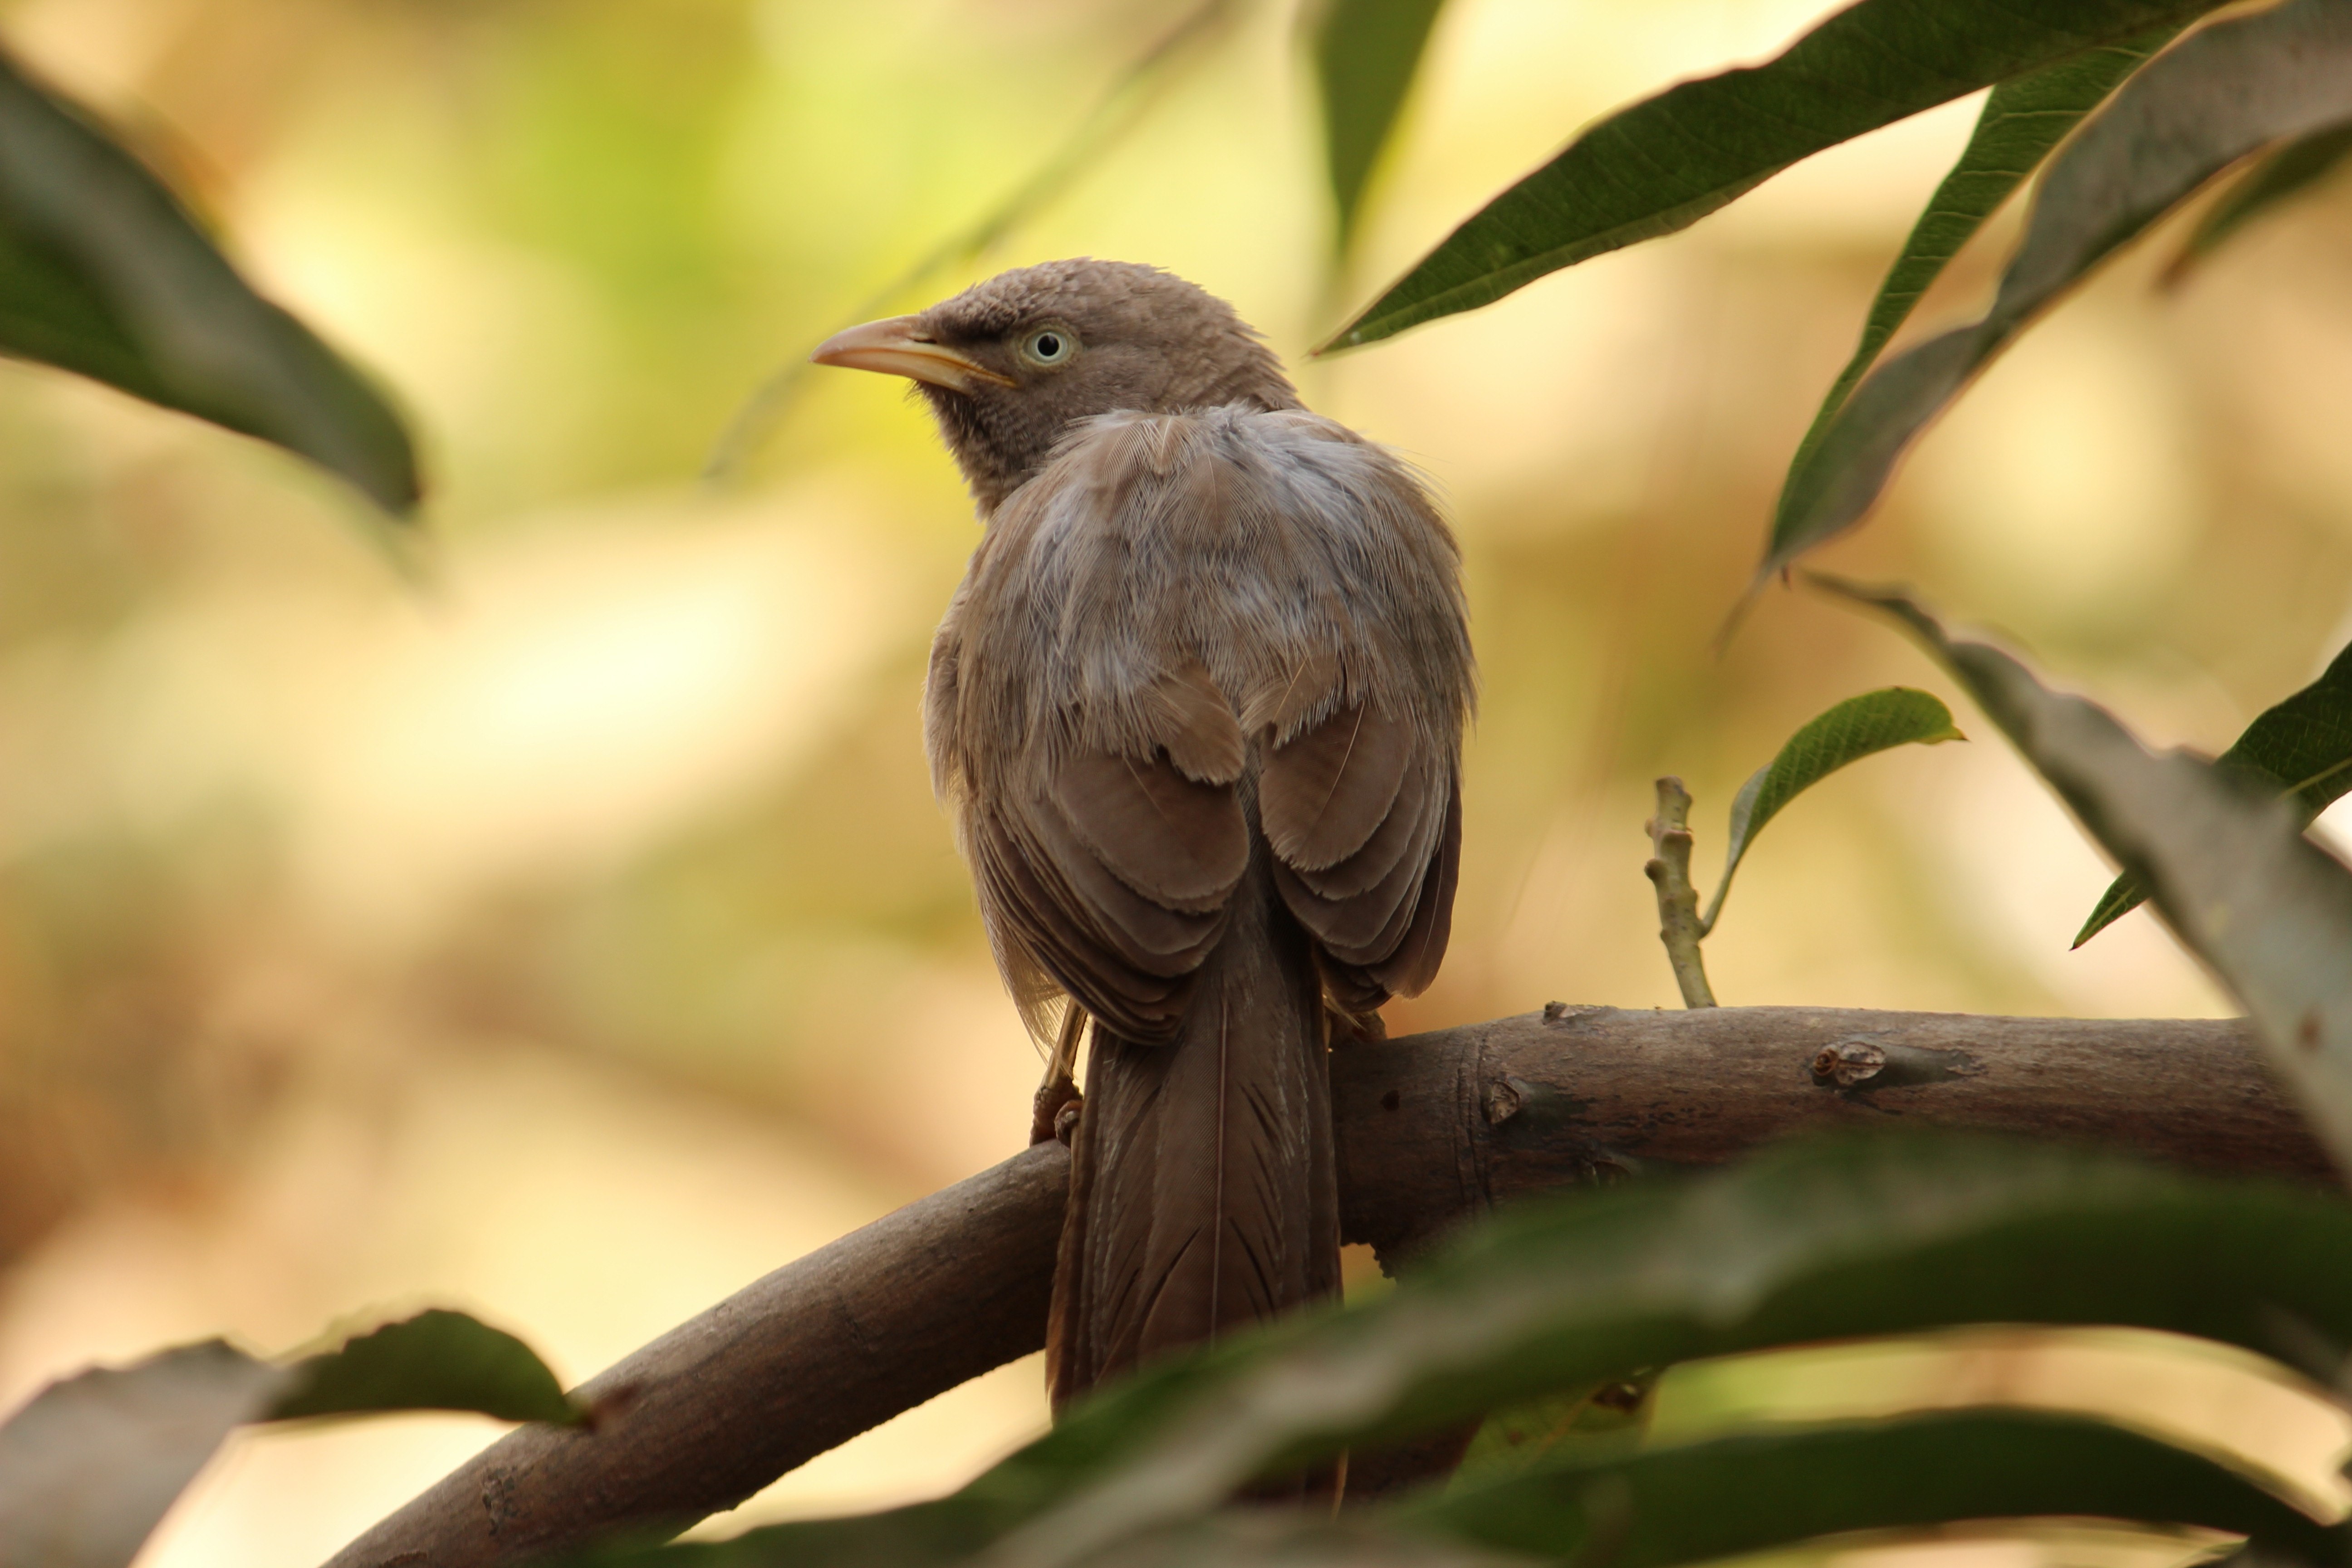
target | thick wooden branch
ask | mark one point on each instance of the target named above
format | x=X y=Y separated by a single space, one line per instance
x=1432 y=1130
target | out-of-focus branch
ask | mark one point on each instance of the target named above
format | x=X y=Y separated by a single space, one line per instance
x=1432 y=1130
x=1669 y=867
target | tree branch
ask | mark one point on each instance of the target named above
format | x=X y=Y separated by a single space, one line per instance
x=1432 y=1130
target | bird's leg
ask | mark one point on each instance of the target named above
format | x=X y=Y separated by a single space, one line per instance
x=1058 y=1094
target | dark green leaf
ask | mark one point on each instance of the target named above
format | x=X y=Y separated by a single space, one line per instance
x=1600 y=1418
x=91 y=1464
x=2300 y=748
x=2210 y=100
x=1366 y=52
x=2226 y=862
x=2023 y=118
x=1772 y=1488
x=434 y=1361
x=1667 y=161
x=1803 y=1243
x=103 y=273
x=2285 y=172
x=1854 y=729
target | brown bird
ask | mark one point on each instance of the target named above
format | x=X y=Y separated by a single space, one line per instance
x=1197 y=709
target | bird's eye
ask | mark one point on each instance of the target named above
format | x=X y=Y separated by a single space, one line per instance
x=1048 y=345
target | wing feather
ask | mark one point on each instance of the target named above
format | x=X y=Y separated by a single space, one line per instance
x=1324 y=792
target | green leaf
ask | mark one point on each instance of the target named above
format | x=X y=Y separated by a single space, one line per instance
x=2283 y=173
x=2023 y=118
x=1666 y=162
x=2211 y=98
x=1600 y=1418
x=1854 y=729
x=1779 y=1487
x=2226 y=862
x=1366 y=52
x=1824 y=1239
x=1807 y=1242
x=2300 y=748
x=436 y=1360
x=1690 y=1503
x=104 y=274
x=91 y=1464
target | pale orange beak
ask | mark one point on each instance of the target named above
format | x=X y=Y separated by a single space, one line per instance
x=897 y=346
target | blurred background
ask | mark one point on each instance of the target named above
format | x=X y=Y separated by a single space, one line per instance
x=575 y=938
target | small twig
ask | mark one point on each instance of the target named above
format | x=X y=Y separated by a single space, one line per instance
x=1669 y=867
x=1059 y=1093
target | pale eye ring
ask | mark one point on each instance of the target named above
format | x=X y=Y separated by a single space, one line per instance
x=1049 y=346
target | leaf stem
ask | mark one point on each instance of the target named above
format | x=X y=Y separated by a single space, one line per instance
x=1669 y=867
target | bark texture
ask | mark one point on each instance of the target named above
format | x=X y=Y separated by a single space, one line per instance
x=1432 y=1130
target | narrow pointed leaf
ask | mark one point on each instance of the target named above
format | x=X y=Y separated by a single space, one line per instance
x=1804 y=1243
x=1365 y=54
x=1779 y=1487
x=2284 y=173
x=2211 y=98
x=1825 y=1239
x=2226 y=862
x=103 y=273
x=2299 y=749
x=2023 y=118
x=89 y=1466
x=1666 y=162
x=1605 y=1417
x=1854 y=729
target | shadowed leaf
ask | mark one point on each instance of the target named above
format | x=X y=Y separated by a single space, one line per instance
x=2023 y=118
x=1606 y=1418
x=2192 y=111
x=91 y=1464
x=434 y=1361
x=1778 y=1487
x=2283 y=173
x=1854 y=729
x=1366 y=52
x=2300 y=748
x=1829 y=1240
x=2226 y=861
x=103 y=273
x=1666 y=162
x=88 y=1468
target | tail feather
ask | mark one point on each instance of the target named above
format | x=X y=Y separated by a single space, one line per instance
x=1203 y=1191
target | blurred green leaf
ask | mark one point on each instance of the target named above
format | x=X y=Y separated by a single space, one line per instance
x=1669 y=160
x=2300 y=748
x=1778 y=1487
x=1854 y=729
x=2023 y=118
x=1806 y=1242
x=1366 y=52
x=436 y=1360
x=1600 y=1418
x=103 y=273
x=2226 y=862
x=2283 y=173
x=2211 y=98
x=1825 y=1239
x=91 y=1464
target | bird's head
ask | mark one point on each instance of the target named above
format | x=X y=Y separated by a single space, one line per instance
x=1010 y=366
